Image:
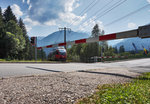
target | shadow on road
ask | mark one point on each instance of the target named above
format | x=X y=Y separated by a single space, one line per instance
x=43 y=69
x=113 y=74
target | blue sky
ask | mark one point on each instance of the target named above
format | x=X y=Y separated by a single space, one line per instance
x=43 y=17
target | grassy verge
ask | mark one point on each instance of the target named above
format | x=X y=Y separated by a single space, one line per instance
x=24 y=61
x=136 y=92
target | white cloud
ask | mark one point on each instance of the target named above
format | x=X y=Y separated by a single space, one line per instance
x=3 y=10
x=68 y=16
x=49 y=10
x=23 y=1
x=88 y=25
x=76 y=5
x=50 y=23
x=70 y=5
x=72 y=18
x=30 y=22
x=148 y=1
x=132 y=25
x=28 y=2
x=16 y=10
x=30 y=6
x=29 y=28
x=52 y=12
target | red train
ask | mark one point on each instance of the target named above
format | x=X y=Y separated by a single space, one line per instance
x=58 y=54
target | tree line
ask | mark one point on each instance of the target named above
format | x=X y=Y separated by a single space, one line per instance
x=14 y=40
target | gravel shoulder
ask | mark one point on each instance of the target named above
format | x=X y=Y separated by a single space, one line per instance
x=59 y=87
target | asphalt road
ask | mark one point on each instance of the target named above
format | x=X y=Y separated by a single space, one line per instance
x=24 y=69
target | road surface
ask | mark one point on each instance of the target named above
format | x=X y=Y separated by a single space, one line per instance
x=24 y=69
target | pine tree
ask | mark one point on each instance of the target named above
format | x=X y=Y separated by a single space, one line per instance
x=1 y=24
x=22 y=26
x=95 y=31
x=121 y=49
x=116 y=50
x=15 y=32
x=1 y=18
x=8 y=15
x=2 y=32
x=77 y=49
x=25 y=53
x=94 y=47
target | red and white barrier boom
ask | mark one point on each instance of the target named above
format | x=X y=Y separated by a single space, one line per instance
x=142 y=32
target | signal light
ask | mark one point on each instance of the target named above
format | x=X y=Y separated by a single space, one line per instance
x=33 y=40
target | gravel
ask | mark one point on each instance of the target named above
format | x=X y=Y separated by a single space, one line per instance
x=58 y=87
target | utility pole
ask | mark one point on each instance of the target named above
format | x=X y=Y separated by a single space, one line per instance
x=64 y=29
x=35 y=48
x=101 y=53
x=41 y=54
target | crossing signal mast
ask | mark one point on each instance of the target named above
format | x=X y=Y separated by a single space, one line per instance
x=34 y=44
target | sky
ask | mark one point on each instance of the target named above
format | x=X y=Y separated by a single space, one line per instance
x=43 y=17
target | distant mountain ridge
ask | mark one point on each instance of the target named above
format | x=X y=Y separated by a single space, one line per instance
x=127 y=43
x=58 y=37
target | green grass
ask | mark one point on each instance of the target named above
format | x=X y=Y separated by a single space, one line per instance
x=26 y=61
x=135 y=92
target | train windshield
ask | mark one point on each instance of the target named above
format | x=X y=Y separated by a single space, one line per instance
x=62 y=52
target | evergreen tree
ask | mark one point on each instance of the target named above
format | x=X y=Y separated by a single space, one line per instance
x=121 y=49
x=102 y=33
x=12 y=44
x=15 y=33
x=78 y=48
x=8 y=15
x=94 y=47
x=26 y=52
x=1 y=24
x=85 y=53
x=14 y=41
x=22 y=26
x=116 y=50
x=110 y=51
x=41 y=55
x=95 y=31
x=1 y=19
x=2 y=32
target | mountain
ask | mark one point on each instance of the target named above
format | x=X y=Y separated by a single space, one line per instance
x=58 y=37
x=114 y=42
x=127 y=43
x=40 y=37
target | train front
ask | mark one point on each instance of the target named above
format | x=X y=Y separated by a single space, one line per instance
x=62 y=55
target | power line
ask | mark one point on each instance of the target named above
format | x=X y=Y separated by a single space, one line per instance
x=102 y=8
x=99 y=10
x=85 y=10
x=109 y=9
x=89 y=7
x=131 y=13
